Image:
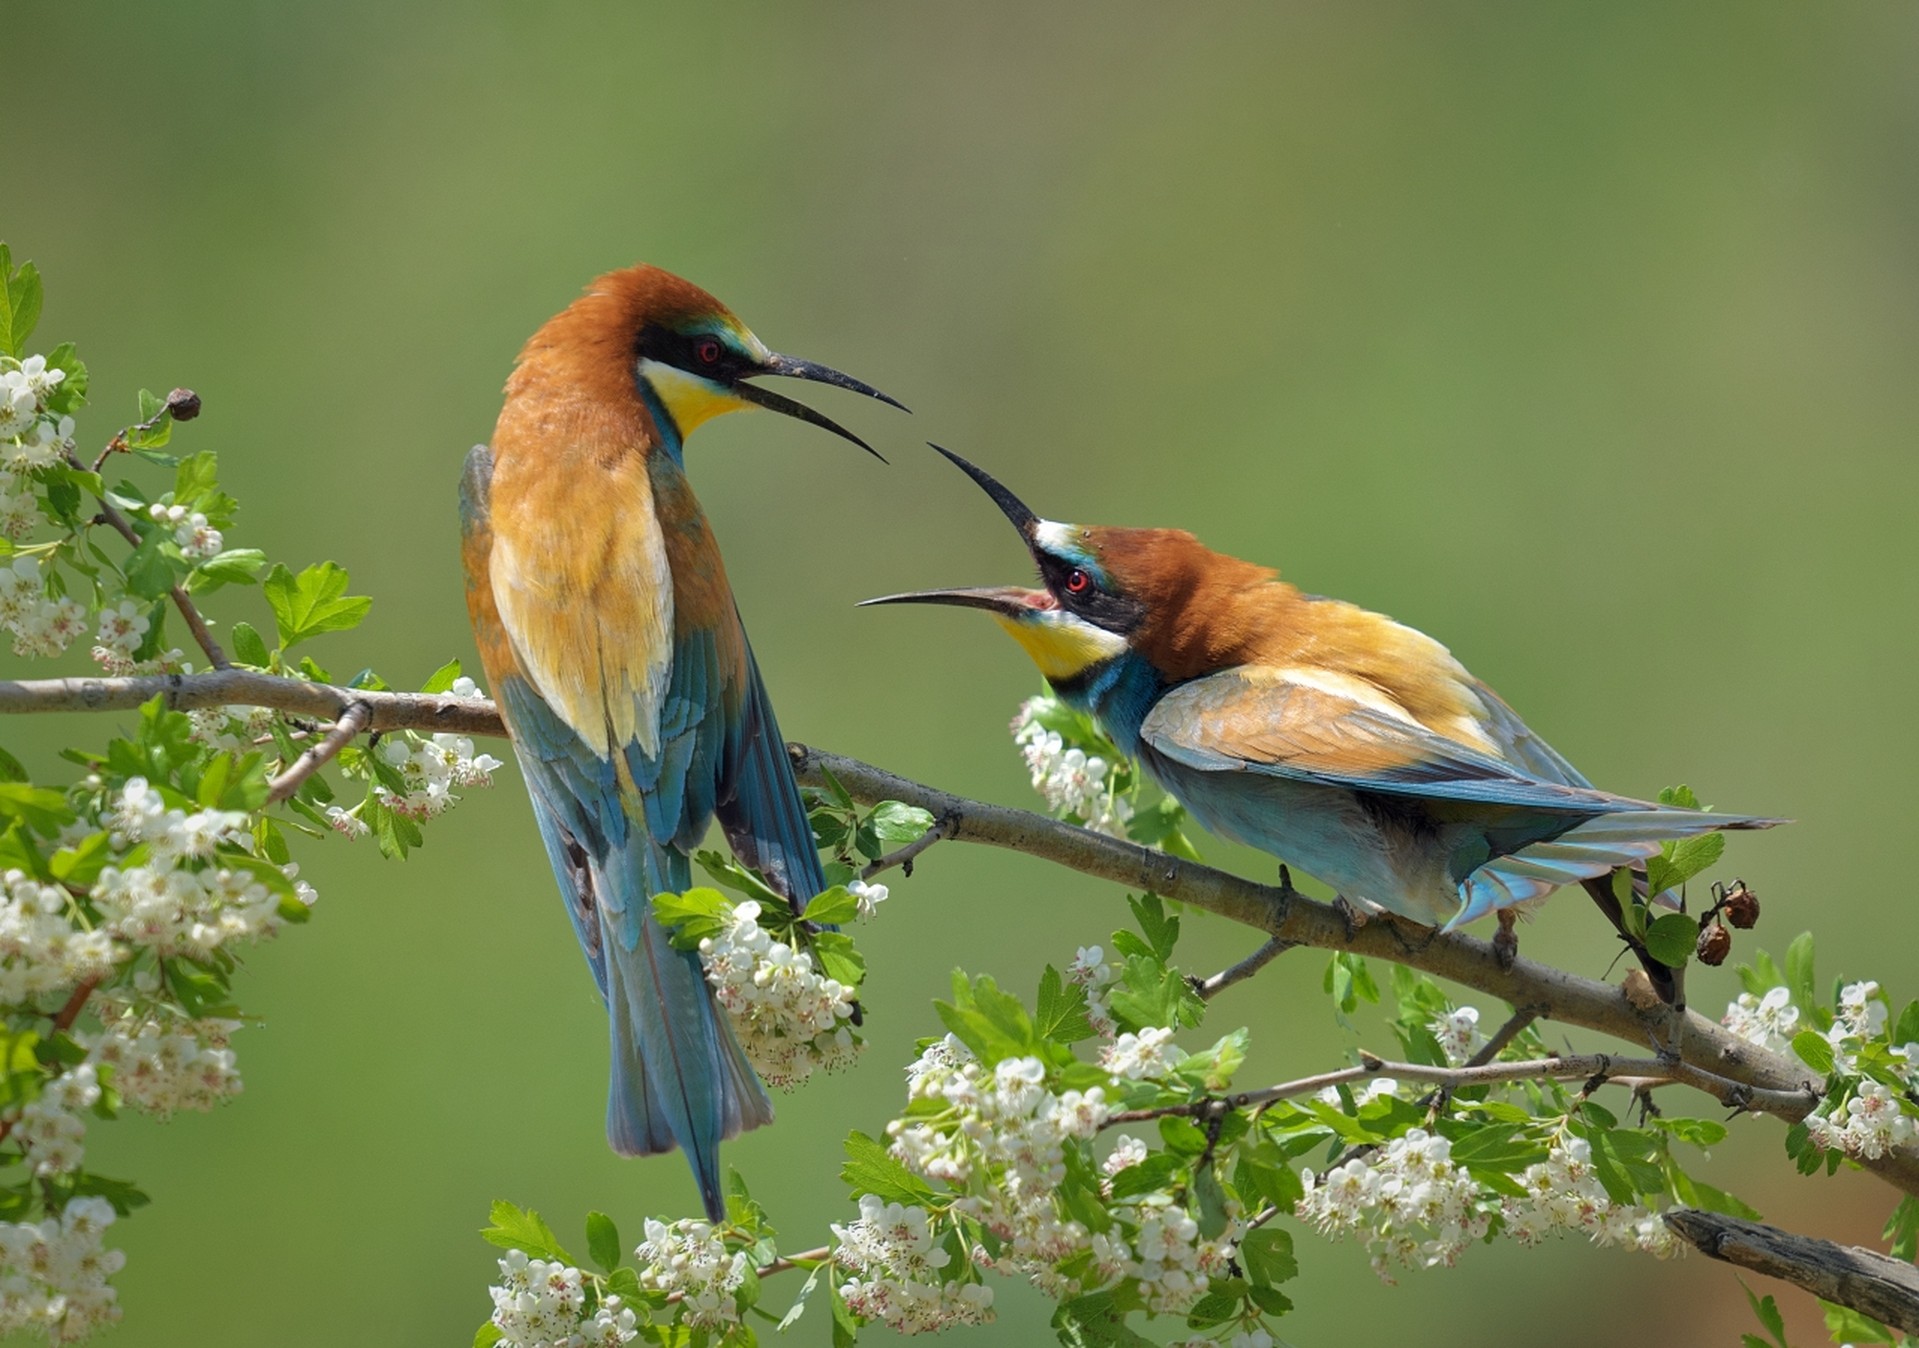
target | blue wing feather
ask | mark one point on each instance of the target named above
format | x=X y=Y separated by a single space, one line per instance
x=760 y=808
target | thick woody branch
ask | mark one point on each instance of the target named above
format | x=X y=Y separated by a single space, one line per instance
x=425 y=712
x=351 y=723
x=1690 y=1048
x=1595 y=1069
x=1874 y=1284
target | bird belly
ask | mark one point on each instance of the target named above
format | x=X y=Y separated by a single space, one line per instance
x=1331 y=834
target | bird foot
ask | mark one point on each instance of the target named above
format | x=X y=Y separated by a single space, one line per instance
x=1506 y=940
x=1349 y=916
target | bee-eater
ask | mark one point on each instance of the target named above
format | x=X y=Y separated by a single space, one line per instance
x=609 y=634
x=1339 y=740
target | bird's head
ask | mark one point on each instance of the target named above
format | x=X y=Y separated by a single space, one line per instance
x=1106 y=592
x=685 y=355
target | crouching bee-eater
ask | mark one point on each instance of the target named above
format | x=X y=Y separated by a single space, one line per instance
x=1344 y=743
x=610 y=637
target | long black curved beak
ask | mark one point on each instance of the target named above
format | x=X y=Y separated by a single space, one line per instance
x=1010 y=505
x=1007 y=601
x=794 y=368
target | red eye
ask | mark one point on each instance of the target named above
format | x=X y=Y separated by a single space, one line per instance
x=1077 y=582
x=707 y=350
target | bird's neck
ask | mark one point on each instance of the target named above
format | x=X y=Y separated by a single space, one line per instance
x=1117 y=693
x=670 y=439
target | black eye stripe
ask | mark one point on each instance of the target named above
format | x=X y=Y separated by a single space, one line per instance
x=702 y=353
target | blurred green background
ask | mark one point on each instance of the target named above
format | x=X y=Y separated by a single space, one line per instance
x=1580 y=336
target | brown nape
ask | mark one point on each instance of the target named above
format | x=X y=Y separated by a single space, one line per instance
x=1205 y=611
x=588 y=347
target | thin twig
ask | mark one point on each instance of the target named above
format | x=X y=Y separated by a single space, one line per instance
x=425 y=712
x=1514 y=1027
x=71 y=1008
x=1593 y=1068
x=189 y=611
x=352 y=722
x=905 y=856
x=1208 y=988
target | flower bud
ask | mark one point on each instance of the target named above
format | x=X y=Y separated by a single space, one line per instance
x=183 y=404
x=1741 y=906
x=1715 y=943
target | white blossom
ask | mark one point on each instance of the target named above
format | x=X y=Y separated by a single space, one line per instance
x=689 y=1260
x=1457 y=1033
x=896 y=1260
x=791 y=1019
x=431 y=769
x=1145 y=1056
x=53 y=1274
x=1070 y=781
x=1872 y=1123
x=1768 y=1021
x=163 y=1067
x=868 y=897
x=543 y=1305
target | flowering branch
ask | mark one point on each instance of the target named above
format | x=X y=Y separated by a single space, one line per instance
x=352 y=721
x=189 y=611
x=1693 y=1049
x=1885 y=1288
x=1595 y=1069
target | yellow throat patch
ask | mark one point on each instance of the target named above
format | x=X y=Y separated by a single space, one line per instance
x=1062 y=645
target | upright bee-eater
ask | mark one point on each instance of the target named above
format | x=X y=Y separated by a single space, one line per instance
x=610 y=636
x=1339 y=740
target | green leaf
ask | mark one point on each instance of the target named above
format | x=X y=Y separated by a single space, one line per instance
x=846 y=1329
x=40 y=808
x=248 y=645
x=1799 y=977
x=20 y=300
x=123 y=1196
x=839 y=958
x=870 y=1170
x=516 y=1228
x=71 y=392
x=1672 y=939
x=603 y=1240
x=1213 y=1069
x=1681 y=796
x=889 y=826
x=832 y=907
x=1148 y=993
x=693 y=916
x=1902 y=1230
x=1814 y=1050
x=11 y=769
x=153 y=568
x=1768 y=1312
x=1061 y=1014
x=1160 y=929
x=313 y=602
x=1212 y=1202
x=442 y=678
x=1267 y=1254
x=235 y=566
x=487 y=1335
x=1846 y=1325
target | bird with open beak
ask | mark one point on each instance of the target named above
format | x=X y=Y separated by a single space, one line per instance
x=609 y=634
x=1340 y=741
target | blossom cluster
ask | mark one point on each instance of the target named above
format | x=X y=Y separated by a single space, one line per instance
x=541 y=1304
x=689 y=1260
x=53 y=1273
x=1149 y=1054
x=431 y=768
x=1869 y=1124
x=179 y=901
x=1409 y=1200
x=791 y=1019
x=1069 y=779
x=33 y=436
x=897 y=1263
x=42 y=623
x=1416 y=1207
x=196 y=539
x=163 y=1067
